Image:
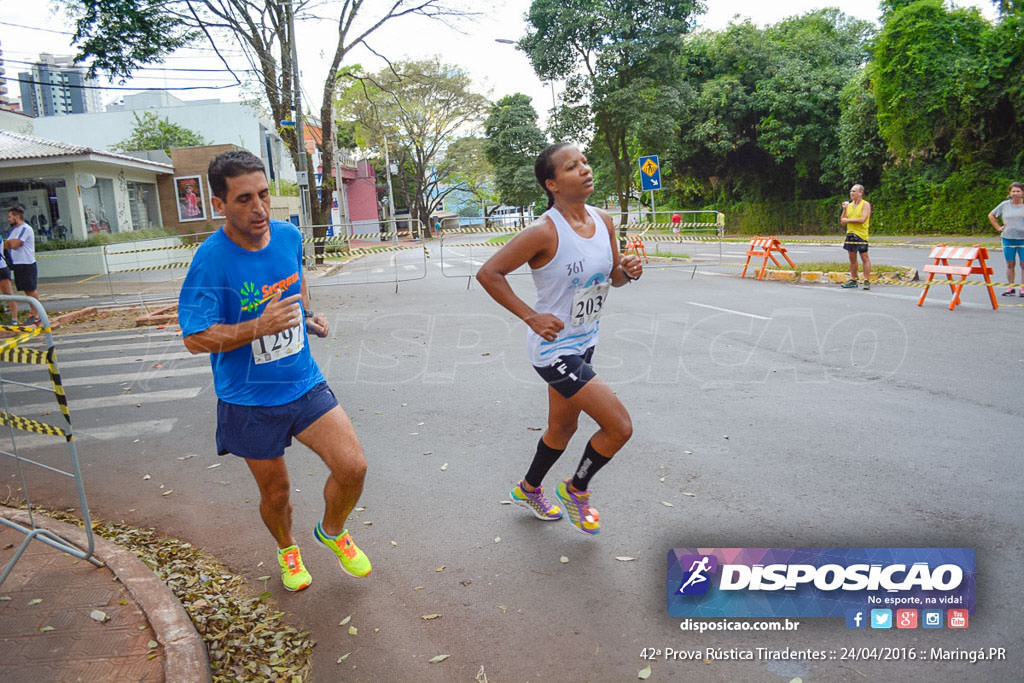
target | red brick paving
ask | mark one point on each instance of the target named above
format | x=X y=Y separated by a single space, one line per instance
x=78 y=648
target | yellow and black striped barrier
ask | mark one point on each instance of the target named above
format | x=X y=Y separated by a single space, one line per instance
x=27 y=425
x=11 y=351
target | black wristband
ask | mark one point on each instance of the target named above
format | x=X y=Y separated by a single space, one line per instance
x=626 y=275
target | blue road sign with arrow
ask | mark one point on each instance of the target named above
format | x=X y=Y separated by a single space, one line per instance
x=650 y=173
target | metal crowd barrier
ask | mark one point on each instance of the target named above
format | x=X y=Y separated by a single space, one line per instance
x=22 y=349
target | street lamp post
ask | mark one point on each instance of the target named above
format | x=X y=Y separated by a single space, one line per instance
x=508 y=41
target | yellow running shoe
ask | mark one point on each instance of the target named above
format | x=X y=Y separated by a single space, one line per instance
x=351 y=559
x=293 y=573
x=578 y=510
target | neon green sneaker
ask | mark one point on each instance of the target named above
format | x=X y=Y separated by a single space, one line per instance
x=351 y=559
x=293 y=573
x=535 y=502
x=578 y=510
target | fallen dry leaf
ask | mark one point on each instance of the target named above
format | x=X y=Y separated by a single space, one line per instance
x=624 y=558
x=429 y=617
x=438 y=658
x=644 y=673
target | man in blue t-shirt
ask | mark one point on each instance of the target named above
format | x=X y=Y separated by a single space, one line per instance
x=246 y=303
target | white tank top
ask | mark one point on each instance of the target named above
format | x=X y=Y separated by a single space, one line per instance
x=574 y=287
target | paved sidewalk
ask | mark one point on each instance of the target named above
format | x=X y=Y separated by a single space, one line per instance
x=47 y=633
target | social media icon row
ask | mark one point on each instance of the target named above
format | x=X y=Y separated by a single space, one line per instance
x=906 y=618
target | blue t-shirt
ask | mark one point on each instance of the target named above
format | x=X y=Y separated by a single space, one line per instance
x=227 y=284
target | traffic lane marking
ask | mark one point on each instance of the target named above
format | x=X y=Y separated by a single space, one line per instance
x=729 y=310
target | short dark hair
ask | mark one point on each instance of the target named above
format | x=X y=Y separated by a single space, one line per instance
x=17 y=210
x=544 y=170
x=231 y=165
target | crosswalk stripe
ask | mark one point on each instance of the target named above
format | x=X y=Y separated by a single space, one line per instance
x=122 y=399
x=95 y=362
x=147 y=375
x=26 y=441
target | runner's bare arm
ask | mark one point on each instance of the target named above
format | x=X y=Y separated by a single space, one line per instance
x=279 y=314
x=536 y=246
x=315 y=323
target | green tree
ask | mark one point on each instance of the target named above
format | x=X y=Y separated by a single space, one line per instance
x=152 y=132
x=814 y=56
x=862 y=151
x=471 y=174
x=617 y=60
x=119 y=36
x=929 y=75
x=513 y=143
x=420 y=107
x=719 y=123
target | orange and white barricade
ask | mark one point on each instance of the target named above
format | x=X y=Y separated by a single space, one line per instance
x=635 y=245
x=765 y=247
x=974 y=259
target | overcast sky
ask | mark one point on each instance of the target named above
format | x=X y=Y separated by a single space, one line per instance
x=497 y=69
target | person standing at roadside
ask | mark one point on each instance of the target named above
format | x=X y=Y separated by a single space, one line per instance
x=1011 y=211
x=574 y=258
x=5 y=287
x=245 y=302
x=857 y=219
x=21 y=241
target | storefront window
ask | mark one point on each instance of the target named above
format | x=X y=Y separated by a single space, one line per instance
x=142 y=201
x=100 y=211
x=45 y=203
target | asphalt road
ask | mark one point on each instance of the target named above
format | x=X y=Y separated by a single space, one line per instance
x=765 y=415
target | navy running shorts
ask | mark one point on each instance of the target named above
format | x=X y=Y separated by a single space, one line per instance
x=855 y=243
x=568 y=374
x=263 y=432
x=25 y=276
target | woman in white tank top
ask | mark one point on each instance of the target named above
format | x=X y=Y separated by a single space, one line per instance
x=574 y=259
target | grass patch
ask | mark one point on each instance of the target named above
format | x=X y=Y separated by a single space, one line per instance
x=499 y=239
x=827 y=266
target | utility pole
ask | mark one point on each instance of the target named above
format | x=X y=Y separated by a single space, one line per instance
x=305 y=219
x=391 y=196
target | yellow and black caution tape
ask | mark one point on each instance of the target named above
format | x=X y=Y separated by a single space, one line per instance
x=164 y=266
x=28 y=425
x=169 y=247
x=25 y=333
x=11 y=353
x=378 y=250
x=58 y=386
x=16 y=354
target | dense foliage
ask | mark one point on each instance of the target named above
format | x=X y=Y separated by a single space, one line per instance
x=513 y=142
x=417 y=108
x=150 y=132
x=772 y=125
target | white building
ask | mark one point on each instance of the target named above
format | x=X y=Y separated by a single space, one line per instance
x=72 y=191
x=219 y=123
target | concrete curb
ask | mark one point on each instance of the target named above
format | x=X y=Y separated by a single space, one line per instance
x=185 y=656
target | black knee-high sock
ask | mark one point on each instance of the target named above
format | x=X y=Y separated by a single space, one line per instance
x=545 y=457
x=590 y=464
